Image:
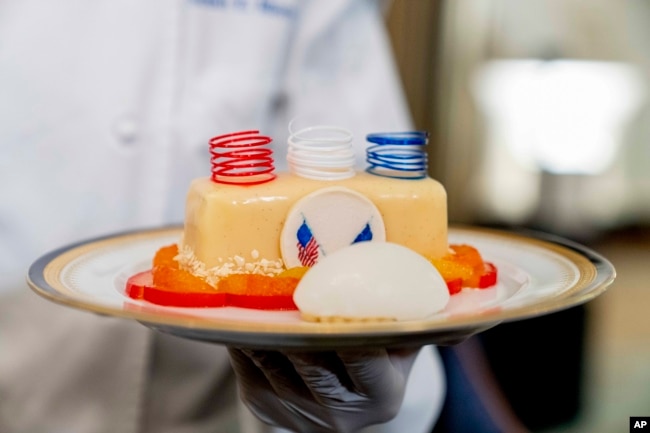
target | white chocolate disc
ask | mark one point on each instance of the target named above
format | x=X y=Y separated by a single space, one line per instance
x=328 y=220
x=372 y=280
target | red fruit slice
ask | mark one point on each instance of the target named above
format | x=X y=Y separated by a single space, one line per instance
x=141 y=286
x=455 y=286
x=260 y=302
x=488 y=277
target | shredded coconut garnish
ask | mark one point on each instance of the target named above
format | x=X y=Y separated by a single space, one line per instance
x=232 y=265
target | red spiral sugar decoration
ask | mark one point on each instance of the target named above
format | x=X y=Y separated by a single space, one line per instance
x=240 y=158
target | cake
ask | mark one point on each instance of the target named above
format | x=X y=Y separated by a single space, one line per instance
x=251 y=234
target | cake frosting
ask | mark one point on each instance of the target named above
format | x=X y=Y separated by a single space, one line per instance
x=226 y=223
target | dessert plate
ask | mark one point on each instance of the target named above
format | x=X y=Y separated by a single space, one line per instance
x=538 y=274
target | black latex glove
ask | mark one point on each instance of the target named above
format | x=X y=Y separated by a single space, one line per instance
x=316 y=392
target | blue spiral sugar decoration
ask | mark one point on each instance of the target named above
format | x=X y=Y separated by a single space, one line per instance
x=400 y=155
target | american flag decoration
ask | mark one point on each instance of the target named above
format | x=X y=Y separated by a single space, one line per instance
x=307 y=245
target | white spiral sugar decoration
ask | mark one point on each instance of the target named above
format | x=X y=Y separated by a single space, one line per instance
x=321 y=152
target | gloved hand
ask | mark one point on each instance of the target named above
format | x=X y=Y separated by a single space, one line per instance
x=323 y=391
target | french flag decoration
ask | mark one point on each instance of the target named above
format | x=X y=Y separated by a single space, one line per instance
x=325 y=221
x=308 y=248
x=307 y=245
x=365 y=235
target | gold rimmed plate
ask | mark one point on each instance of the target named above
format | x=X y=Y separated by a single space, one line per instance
x=538 y=274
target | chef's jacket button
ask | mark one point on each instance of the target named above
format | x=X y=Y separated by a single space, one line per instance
x=126 y=129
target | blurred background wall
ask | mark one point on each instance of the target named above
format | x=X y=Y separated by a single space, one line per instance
x=539 y=117
x=542 y=101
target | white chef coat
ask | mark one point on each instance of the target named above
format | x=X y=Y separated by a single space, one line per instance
x=106 y=108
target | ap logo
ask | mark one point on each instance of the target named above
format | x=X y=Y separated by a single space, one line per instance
x=640 y=424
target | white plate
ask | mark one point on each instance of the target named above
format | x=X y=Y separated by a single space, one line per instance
x=538 y=274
